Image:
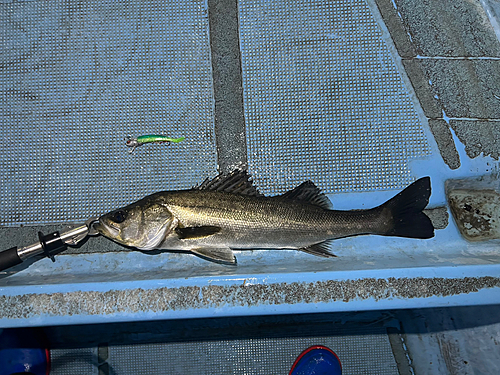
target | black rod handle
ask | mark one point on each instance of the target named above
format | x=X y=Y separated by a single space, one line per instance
x=9 y=258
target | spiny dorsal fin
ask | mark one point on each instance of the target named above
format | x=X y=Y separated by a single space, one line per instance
x=308 y=192
x=236 y=182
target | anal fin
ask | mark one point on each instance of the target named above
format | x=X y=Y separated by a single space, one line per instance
x=216 y=254
x=321 y=249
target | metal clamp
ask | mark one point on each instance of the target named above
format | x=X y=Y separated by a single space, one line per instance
x=49 y=244
x=76 y=235
x=54 y=241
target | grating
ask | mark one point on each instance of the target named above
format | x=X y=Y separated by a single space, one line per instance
x=323 y=99
x=359 y=354
x=74 y=361
x=76 y=78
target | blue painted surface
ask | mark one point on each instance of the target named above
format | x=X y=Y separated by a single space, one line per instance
x=482 y=296
x=447 y=255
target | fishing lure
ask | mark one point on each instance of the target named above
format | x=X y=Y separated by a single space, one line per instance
x=151 y=138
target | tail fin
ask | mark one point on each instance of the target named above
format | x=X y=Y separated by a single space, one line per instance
x=406 y=209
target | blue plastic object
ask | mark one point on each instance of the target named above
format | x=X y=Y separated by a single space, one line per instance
x=317 y=360
x=23 y=351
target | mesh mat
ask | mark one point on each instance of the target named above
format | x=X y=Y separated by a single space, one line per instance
x=74 y=361
x=359 y=354
x=323 y=98
x=76 y=78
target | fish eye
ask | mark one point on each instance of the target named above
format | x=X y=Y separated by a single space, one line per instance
x=119 y=216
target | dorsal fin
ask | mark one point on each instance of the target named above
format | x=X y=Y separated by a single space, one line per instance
x=236 y=182
x=310 y=193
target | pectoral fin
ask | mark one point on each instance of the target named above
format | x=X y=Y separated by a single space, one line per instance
x=321 y=249
x=220 y=254
x=190 y=233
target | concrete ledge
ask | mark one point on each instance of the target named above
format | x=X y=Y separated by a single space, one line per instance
x=449 y=28
x=479 y=137
x=466 y=88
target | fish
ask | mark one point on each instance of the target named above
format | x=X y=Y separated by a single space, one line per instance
x=228 y=213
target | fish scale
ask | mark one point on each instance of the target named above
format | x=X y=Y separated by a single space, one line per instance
x=212 y=220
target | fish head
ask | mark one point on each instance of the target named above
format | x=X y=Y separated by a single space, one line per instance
x=142 y=225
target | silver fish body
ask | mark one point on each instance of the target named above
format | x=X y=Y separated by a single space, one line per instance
x=227 y=213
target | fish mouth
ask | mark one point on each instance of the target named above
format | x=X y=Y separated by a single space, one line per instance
x=105 y=229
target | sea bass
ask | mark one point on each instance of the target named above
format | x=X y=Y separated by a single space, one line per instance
x=228 y=213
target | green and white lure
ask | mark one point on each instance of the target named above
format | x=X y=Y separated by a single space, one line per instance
x=151 y=138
